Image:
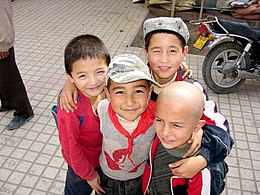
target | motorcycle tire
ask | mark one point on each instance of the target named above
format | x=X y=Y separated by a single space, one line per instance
x=219 y=60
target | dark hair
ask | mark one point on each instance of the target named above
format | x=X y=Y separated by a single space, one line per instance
x=149 y=35
x=82 y=47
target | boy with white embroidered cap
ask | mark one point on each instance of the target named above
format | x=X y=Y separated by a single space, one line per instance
x=126 y=122
x=165 y=50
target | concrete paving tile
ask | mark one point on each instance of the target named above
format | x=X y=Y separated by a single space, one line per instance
x=233 y=172
x=248 y=185
x=233 y=183
x=50 y=172
x=22 y=190
x=16 y=178
x=36 y=169
x=7 y=189
x=30 y=156
x=29 y=180
x=38 y=192
x=23 y=166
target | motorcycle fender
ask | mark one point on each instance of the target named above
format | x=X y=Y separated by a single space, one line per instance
x=218 y=40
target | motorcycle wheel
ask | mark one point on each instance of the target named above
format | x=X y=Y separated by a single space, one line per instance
x=218 y=69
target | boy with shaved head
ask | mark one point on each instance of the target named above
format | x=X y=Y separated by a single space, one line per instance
x=179 y=110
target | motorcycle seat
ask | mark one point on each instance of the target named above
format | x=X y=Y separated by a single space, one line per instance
x=241 y=28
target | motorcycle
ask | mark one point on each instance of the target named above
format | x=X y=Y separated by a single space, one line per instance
x=233 y=56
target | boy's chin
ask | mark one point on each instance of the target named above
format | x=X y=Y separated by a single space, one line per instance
x=94 y=92
x=167 y=145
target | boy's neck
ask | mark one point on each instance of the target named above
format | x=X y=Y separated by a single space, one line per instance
x=94 y=100
x=121 y=119
x=129 y=126
x=162 y=83
x=179 y=151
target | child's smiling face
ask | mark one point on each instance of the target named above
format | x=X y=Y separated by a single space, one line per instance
x=129 y=100
x=89 y=76
x=165 y=54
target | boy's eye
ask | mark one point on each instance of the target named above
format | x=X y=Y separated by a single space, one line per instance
x=119 y=92
x=82 y=76
x=155 y=50
x=139 y=91
x=172 y=50
x=176 y=125
x=158 y=119
x=101 y=72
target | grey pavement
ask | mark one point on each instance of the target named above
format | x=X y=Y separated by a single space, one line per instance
x=30 y=157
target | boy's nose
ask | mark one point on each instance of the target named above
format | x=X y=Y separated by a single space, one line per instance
x=92 y=80
x=166 y=130
x=164 y=57
x=129 y=100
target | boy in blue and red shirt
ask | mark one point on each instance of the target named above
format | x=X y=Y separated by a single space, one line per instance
x=179 y=109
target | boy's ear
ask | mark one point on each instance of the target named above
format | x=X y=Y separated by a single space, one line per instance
x=150 y=91
x=70 y=78
x=185 y=51
x=107 y=94
x=200 y=124
x=145 y=53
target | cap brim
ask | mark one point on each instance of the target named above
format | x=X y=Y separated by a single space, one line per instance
x=129 y=79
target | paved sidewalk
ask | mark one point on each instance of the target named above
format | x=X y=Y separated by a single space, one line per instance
x=30 y=157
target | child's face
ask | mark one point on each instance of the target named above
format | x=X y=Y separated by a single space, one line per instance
x=129 y=100
x=173 y=124
x=89 y=76
x=164 y=55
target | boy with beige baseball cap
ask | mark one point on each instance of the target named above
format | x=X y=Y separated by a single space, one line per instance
x=126 y=123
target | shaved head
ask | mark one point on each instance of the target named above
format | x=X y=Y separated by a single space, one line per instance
x=184 y=96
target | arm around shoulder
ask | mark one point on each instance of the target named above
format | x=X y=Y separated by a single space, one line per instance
x=216 y=144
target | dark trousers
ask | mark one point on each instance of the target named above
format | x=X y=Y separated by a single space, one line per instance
x=117 y=187
x=12 y=90
x=75 y=185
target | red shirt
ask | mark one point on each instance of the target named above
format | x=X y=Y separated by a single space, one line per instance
x=80 y=142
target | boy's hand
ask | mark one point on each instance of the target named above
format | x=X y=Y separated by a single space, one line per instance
x=3 y=54
x=186 y=71
x=95 y=185
x=195 y=142
x=188 y=167
x=68 y=97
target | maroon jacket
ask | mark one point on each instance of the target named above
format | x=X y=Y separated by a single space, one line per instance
x=80 y=141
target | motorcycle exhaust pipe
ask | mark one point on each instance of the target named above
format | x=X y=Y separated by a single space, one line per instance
x=247 y=75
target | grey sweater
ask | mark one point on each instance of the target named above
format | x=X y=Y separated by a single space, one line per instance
x=6 y=26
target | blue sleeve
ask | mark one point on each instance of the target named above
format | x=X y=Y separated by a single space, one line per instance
x=216 y=144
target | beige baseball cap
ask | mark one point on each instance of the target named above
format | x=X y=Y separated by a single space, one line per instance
x=168 y=24
x=127 y=68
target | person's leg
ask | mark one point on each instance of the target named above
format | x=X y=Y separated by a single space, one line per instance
x=12 y=86
x=218 y=174
x=117 y=187
x=74 y=185
x=109 y=185
x=4 y=105
x=13 y=91
x=133 y=186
